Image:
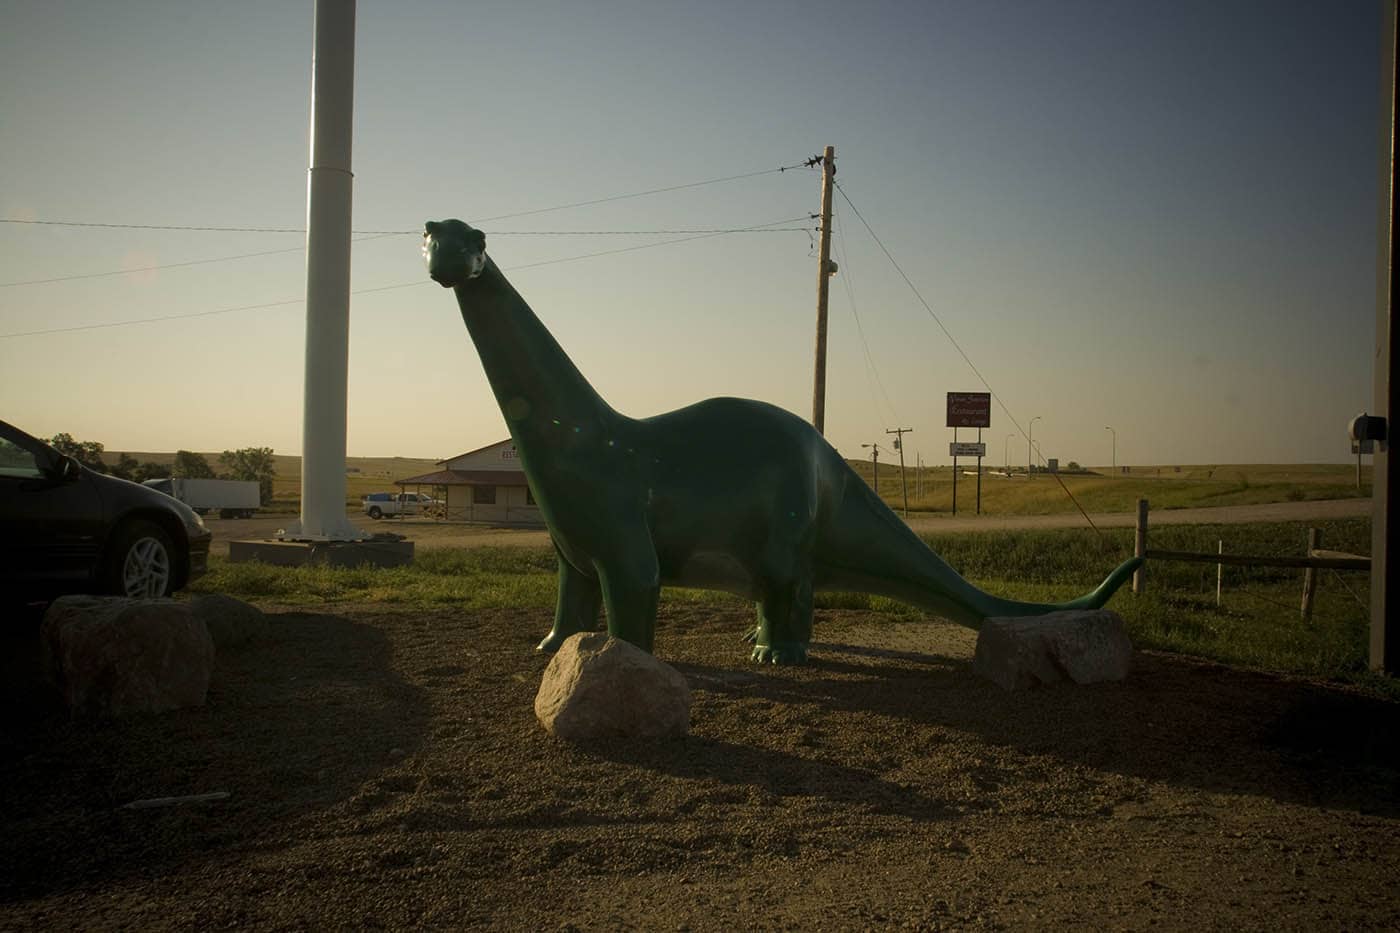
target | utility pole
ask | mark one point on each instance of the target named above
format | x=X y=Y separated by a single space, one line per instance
x=1030 y=461
x=899 y=446
x=875 y=458
x=825 y=268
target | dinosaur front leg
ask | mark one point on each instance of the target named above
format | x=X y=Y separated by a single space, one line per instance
x=631 y=585
x=577 y=609
x=784 y=622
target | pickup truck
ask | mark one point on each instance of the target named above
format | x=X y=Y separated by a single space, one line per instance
x=379 y=504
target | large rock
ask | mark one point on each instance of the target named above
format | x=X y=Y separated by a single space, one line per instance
x=1083 y=646
x=598 y=686
x=113 y=656
x=231 y=622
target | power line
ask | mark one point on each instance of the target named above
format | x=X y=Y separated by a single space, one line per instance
x=169 y=265
x=872 y=371
x=931 y=312
x=541 y=210
x=297 y=249
x=966 y=359
x=628 y=249
x=382 y=288
x=642 y=194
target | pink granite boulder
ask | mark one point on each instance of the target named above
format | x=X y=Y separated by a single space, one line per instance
x=598 y=686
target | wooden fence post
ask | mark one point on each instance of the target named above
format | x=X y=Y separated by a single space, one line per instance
x=1310 y=575
x=1140 y=549
x=1219 y=574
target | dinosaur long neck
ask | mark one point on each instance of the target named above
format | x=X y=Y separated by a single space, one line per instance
x=539 y=389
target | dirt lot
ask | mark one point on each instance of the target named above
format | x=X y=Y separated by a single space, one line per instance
x=388 y=771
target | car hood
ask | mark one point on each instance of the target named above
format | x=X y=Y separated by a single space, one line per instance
x=120 y=495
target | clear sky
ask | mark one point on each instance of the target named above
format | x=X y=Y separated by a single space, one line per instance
x=1159 y=217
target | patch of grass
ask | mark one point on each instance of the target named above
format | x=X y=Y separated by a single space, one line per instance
x=1258 y=624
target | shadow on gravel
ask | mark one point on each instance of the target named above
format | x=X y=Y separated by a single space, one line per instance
x=774 y=773
x=1175 y=719
x=293 y=724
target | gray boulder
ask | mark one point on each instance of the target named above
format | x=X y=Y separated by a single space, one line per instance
x=231 y=622
x=112 y=656
x=598 y=686
x=1082 y=646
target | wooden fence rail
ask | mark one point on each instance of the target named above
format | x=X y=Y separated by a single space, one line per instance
x=1316 y=559
x=1339 y=562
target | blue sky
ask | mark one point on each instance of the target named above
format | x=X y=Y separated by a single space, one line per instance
x=1156 y=217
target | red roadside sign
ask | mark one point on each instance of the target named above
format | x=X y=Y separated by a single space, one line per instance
x=969 y=409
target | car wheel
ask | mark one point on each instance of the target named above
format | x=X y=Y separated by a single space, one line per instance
x=140 y=563
x=374 y=512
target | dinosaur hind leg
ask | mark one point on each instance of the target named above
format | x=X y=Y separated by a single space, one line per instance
x=580 y=598
x=784 y=619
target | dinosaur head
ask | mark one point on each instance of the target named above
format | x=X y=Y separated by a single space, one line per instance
x=455 y=253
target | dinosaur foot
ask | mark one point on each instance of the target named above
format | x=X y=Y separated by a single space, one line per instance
x=789 y=652
x=552 y=642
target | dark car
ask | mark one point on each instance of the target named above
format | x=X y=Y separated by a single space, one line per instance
x=67 y=529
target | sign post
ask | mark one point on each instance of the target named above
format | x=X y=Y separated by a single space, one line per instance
x=968 y=410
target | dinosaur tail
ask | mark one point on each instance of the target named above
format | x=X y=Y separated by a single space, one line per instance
x=1094 y=599
x=867 y=548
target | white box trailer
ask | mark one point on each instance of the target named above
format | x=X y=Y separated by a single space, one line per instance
x=234 y=498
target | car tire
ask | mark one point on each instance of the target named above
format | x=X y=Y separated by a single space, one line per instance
x=140 y=562
x=375 y=513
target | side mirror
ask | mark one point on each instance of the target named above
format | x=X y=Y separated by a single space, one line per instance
x=66 y=469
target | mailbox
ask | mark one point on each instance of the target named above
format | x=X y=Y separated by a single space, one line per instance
x=1365 y=431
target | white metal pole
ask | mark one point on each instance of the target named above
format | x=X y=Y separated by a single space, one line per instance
x=329 y=189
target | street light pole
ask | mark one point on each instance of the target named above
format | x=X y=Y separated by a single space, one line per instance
x=875 y=457
x=1115 y=446
x=1030 y=431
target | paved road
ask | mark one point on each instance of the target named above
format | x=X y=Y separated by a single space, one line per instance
x=430 y=534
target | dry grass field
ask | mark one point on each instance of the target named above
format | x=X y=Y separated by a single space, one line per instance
x=1101 y=490
x=1097 y=490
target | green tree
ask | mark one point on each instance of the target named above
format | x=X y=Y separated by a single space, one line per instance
x=149 y=470
x=192 y=466
x=252 y=463
x=88 y=453
x=126 y=467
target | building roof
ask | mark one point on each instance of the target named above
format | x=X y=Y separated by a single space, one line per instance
x=466 y=478
x=477 y=450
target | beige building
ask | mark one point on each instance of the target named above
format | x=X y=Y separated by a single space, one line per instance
x=482 y=485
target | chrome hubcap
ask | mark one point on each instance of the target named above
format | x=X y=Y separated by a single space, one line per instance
x=147 y=569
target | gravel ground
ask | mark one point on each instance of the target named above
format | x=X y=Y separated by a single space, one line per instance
x=387 y=771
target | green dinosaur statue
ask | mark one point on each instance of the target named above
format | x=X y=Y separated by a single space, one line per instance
x=728 y=494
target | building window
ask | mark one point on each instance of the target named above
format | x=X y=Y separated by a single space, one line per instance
x=483 y=495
